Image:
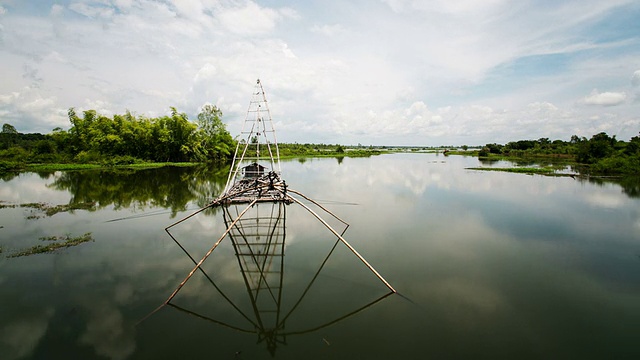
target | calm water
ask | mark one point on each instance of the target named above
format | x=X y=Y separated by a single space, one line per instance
x=486 y=265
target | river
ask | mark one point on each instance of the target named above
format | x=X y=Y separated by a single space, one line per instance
x=485 y=265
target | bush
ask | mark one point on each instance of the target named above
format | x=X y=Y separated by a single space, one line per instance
x=122 y=160
x=87 y=157
x=6 y=166
x=617 y=165
x=44 y=147
x=484 y=152
x=15 y=154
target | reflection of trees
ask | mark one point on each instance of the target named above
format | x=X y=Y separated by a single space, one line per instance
x=167 y=187
x=487 y=161
x=630 y=184
x=8 y=176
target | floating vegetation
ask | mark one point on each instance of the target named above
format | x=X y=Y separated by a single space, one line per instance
x=520 y=170
x=57 y=242
x=52 y=210
x=4 y=205
x=48 y=209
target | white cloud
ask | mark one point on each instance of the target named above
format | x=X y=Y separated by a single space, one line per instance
x=605 y=98
x=328 y=30
x=56 y=10
x=371 y=75
x=635 y=79
x=90 y=11
x=28 y=110
x=252 y=19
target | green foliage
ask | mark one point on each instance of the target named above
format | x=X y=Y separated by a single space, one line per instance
x=494 y=148
x=14 y=154
x=126 y=139
x=216 y=143
x=9 y=129
x=44 y=147
x=87 y=157
x=6 y=166
x=598 y=147
x=601 y=155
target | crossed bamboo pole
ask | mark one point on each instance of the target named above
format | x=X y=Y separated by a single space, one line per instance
x=284 y=190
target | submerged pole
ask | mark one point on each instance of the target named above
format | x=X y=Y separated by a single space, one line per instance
x=175 y=292
x=344 y=242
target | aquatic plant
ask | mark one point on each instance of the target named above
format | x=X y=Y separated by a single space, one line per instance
x=57 y=242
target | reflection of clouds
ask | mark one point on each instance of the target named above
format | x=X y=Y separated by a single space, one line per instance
x=108 y=332
x=464 y=297
x=605 y=199
x=20 y=338
x=124 y=293
x=476 y=276
x=28 y=188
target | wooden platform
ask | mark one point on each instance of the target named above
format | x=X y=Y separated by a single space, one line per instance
x=266 y=188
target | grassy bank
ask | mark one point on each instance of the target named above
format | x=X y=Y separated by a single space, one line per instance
x=71 y=167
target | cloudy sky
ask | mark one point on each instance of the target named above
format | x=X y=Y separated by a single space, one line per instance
x=375 y=72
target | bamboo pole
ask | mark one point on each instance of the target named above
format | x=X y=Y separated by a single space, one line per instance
x=321 y=207
x=175 y=292
x=345 y=242
x=185 y=218
x=208 y=278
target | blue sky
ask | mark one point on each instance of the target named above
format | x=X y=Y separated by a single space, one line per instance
x=388 y=72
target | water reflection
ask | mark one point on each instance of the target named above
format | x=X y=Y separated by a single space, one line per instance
x=480 y=253
x=263 y=296
x=168 y=187
x=630 y=185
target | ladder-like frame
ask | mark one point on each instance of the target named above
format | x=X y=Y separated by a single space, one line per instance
x=258 y=142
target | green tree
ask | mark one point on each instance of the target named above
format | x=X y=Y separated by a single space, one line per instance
x=9 y=129
x=210 y=120
x=9 y=136
x=216 y=142
x=598 y=147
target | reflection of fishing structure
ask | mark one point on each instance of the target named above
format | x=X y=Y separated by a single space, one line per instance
x=254 y=212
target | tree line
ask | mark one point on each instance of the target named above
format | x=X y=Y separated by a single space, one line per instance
x=602 y=154
x=123 y=139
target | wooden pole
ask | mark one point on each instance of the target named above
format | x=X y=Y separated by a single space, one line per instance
x=321 y=207
x=175 y=292
x=345 y=242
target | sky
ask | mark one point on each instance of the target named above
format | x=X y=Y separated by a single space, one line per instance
x=374 y=72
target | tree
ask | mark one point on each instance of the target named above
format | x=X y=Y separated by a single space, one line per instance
x=9 y=136
x=9 y=129
x=210 y=120
x=216 y=140
x=598 y=147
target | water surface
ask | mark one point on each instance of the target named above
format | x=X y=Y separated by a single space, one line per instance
x=486 y=264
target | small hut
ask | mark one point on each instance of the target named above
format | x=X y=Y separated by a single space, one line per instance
x=254 y=170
